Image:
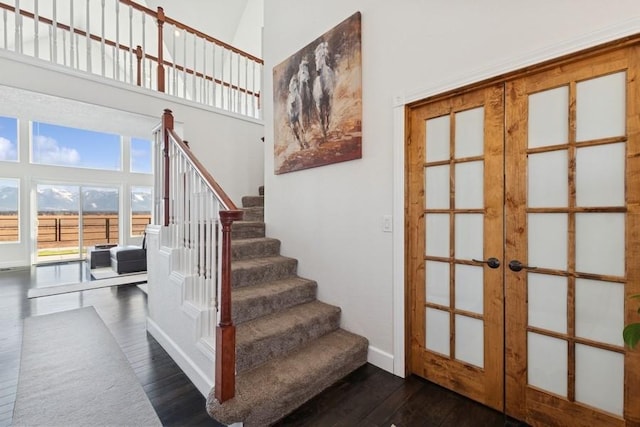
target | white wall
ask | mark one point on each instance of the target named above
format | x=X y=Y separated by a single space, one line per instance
x=228 y=145
x=248 y=36
x=330 y=218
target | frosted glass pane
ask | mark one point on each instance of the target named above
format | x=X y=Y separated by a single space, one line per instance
x=469 y=180
x=547 y=363
x=600 y=311
x=438 y=140
x=600 y=107
x=600 y=243
x=470 y=340
x=600 y=172
x=437 y=331
x=469 y=288
x=437 y=235
x=549 y=117
x=547 y=302
x=437 y=187
x=600 y=378
x=548 y=179
x=469 y=236
x=547 y=237
x=470 y=133
x=437 y=278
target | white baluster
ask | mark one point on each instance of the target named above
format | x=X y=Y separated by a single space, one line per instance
x=71 y=36
x=195 y=70
x=116 y=75
x=36 y=30
x=213 y=74
x=54 y=38
x=88 y=35
x=237 y=109
x=246 y=86
x=131 y=54
x=4 y=26
x=77 y=37
x=174 y=34
x=230 y=93
x=18 y=28
x=204 y=94
x=184 y=64
x=103 y=52
x=64 y=48
x=144 y=50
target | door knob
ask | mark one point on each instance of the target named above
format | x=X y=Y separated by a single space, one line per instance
x=516 y=266
x=491 y=262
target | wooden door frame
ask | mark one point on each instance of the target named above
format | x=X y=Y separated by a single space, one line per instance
x=632 y=358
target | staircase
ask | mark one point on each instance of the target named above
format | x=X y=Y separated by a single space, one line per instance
x=289 y=345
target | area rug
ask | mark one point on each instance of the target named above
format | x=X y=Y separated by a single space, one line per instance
x=73 y=373
x=128 y=279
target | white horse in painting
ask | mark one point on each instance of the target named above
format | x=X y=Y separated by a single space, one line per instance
x=304 y=79
x=323 y=86
x=294 y=111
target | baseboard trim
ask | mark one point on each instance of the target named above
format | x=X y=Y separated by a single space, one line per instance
x=381 y=359
x=195 y=374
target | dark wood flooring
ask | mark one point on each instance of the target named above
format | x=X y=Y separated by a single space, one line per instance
x=368 y=397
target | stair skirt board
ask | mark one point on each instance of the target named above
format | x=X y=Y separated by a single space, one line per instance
x=203 y=383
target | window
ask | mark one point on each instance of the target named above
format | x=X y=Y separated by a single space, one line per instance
x=65 y=146
x=141 y=205
x=8 y=139
x=9 y=202
x=141 y=156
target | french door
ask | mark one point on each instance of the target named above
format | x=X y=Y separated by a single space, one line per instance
x=522 y=241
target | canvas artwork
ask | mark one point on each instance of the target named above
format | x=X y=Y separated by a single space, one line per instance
x=318 y=101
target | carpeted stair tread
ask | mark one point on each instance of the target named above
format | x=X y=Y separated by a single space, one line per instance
x=264 y=338
x=252 y=201
x=255 y=213
x=272 y=390
x=250 y=302
x=248 y=272
x=254 y=248
x=247 y=229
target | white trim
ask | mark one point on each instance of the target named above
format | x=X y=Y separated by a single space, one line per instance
x=600 y=36
x=195 y=374
x=381 y=359
x=398 y=243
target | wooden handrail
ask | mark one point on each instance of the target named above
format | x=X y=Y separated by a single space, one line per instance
x=225 y=330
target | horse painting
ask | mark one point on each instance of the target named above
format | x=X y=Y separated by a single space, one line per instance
x=323 y=87
x=318 y=101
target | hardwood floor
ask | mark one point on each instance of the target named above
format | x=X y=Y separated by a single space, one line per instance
x=368 y=397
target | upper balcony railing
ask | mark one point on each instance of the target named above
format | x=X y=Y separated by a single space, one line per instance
x=130 y=43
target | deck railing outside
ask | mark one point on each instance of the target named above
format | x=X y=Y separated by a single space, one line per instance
x=198 y=215
x=125 y=41
x=61 y=230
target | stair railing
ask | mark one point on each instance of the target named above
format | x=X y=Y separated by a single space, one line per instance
x=125 y=41
x=191 y=204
